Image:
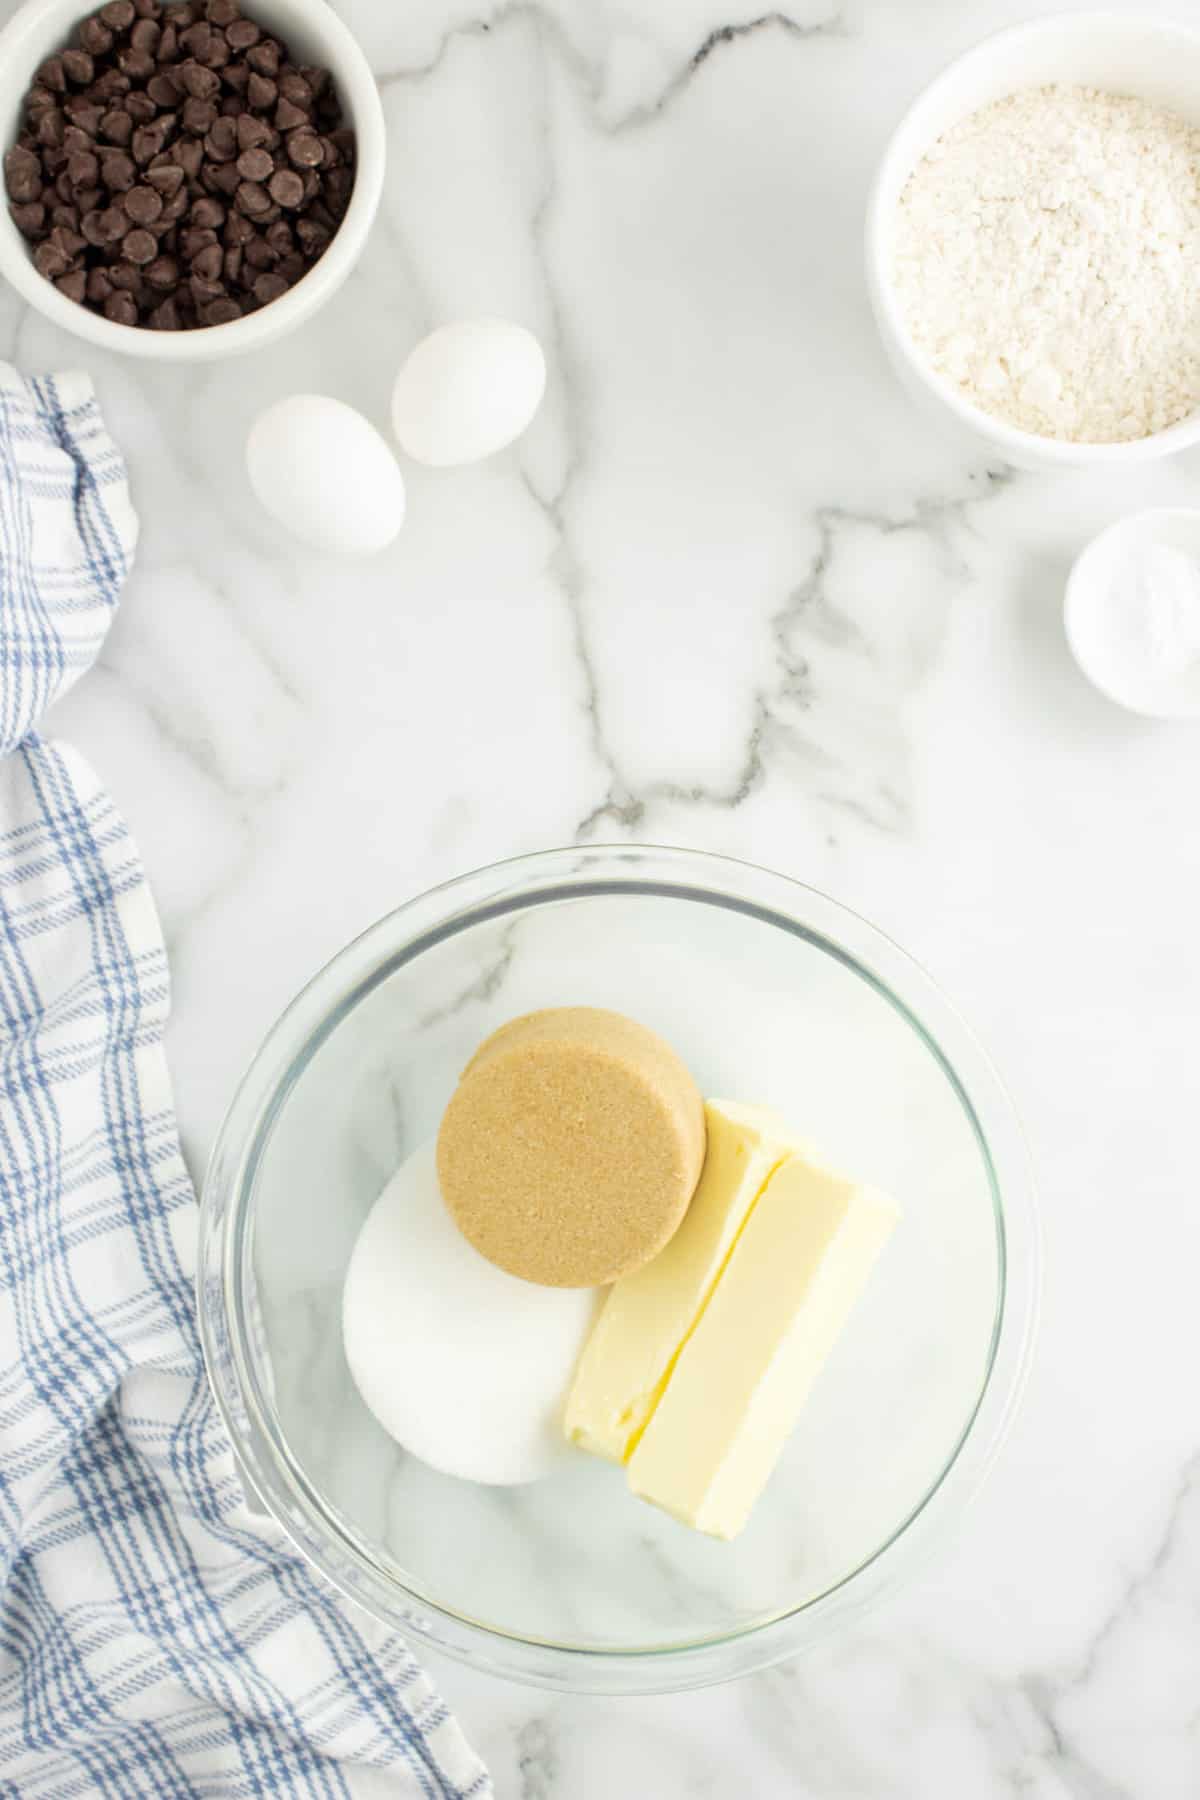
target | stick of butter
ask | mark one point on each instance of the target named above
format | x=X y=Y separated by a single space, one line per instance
x=743 y=1375
x=649 y=1313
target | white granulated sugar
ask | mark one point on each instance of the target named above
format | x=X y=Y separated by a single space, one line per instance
x=1047 y=263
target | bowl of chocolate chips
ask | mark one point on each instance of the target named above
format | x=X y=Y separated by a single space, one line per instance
x=184 y=181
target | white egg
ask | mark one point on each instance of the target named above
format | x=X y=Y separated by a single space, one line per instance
x=467 y=390
x=326 y=475
x=465 y=1366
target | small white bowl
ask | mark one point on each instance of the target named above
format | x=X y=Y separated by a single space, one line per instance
x=1098 y=632
x=313 y=33
x=1124 y=53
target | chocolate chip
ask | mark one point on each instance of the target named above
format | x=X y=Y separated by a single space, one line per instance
x=200 y=83
x=286 y=188
x=166 y=179
x=269 y=286
x=104 y=226
x=138 y=65
x=49 y=260
x=264 y=58
x=95 y=37
x=117 y=171
x=198 y=115
x=222 y=12
x=313 y=238
x=189 y=155
x=238 y=229
x=116 y=127
x=29 y=218
x=165 y=316
x=146 y=36
x=203 y=291
x=222 y=178
x=140 y=108
x=210 y=262
x=78 y=67
x=289 y=116
x=22 y=174
x=195 y=39
x=292 y=86
x=140 y=246
x=99 y=287
x=111 y=85
x=52 y=75
x=241 y=34
x=252 y=199
x=252 y=131
x=207 y=214
x=51 y=127
x=125 y=275
x=255 y=165
x=73 y=285
x=215 y=55
x=231 y=262
x=121 y=308
x=148 y=140
x=83 y=169
x=174 y=209
x=168 y=44
x=194 y=240
x=261 y=92
x=260 y=255
x=65 y=234
x=304 y=149
x=222 y=141
x=143 y=204
x=163 y=273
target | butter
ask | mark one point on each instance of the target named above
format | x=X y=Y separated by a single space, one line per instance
x=649 y=1313
x=743 y=1375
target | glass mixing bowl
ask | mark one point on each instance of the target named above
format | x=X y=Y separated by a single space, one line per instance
x=772 y=993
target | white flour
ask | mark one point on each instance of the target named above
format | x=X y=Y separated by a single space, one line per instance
x=1047 y=262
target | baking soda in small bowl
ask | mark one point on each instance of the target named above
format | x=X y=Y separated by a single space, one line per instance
x=1132 y=613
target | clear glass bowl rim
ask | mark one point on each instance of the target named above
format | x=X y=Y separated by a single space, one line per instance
x=512 y=886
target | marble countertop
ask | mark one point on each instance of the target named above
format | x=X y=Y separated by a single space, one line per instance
x=732 y=592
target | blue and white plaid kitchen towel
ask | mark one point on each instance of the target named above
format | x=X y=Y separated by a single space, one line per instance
x=157 y=1638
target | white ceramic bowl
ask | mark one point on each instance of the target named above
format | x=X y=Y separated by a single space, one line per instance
x=314 y=33
x=1100 y=642
x=1125 y=53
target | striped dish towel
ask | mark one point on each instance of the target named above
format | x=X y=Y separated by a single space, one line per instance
x=157 y=1638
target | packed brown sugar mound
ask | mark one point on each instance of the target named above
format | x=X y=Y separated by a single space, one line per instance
x=571 y=1147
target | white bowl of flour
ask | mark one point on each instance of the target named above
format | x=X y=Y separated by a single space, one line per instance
x=1033 y=237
